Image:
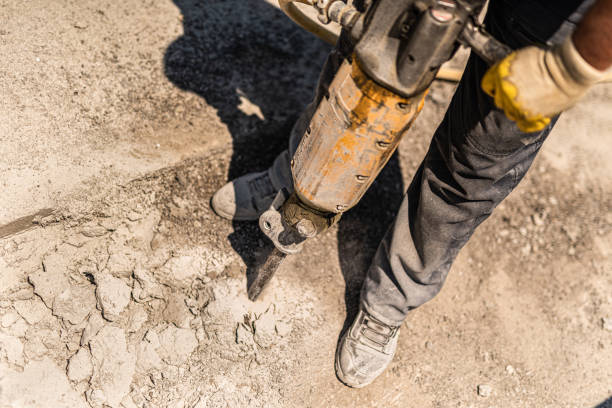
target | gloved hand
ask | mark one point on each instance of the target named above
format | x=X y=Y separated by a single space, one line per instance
x=533 y=84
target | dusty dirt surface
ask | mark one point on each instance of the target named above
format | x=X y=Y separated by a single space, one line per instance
x=120 y=288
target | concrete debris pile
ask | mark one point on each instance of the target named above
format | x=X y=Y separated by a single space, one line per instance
x=99 y=318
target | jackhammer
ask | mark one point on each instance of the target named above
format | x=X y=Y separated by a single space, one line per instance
x=372 y=101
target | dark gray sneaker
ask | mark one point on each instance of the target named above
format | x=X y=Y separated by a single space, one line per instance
x=245 y=198
x=365 y=350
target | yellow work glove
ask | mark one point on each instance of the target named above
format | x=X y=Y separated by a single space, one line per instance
x=532 y=84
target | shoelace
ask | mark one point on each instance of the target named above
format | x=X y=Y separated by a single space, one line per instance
x=376 y=331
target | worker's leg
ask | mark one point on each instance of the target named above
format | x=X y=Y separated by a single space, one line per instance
x=475 y=159
x=477 y=156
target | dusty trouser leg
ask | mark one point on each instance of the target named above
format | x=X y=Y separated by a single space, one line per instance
x=477 y=156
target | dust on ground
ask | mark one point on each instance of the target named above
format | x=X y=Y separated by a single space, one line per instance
x=120 y=287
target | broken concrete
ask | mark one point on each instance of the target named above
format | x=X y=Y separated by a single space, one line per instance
x=265 y=329
x=50 y=281
x=11 y=348
x=113 y=295
x=176 y=345
x=41 y=384
x=148 y=359
x=113 y=367
x=79 y=366
x=75 y=303
x=93 y=326
x=177 y=312
x=32 y=310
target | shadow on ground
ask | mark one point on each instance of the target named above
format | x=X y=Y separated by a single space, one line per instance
x=605 y=404
x=239 y=55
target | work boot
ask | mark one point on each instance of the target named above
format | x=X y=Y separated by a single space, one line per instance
x=365 y=350
x=245 y=198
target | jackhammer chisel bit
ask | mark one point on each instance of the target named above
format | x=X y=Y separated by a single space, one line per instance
x=374 y=98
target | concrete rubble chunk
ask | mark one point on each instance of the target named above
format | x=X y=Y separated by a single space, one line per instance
x=93 y=230
x=176 y=345
x=145 y=288
x=148 y=359
x=244 y=334
x=265 y=329
x=120 y=263
x=96 y=397
x=177 y=312
x=39 y=341
x=606 y=323
x=113 y=295
x=51 y=281
x=41 y=384
x=11 y=348
x=74 y=303
x=8 y=319
x=32 y=310
x=127 y=402
x=283 y=329
x=113 y=367
x=484 y=390
x=180 y=271
x=137 y=316
x=143 y=230
x=93 y=326
x=18 y=328
x=79 y=366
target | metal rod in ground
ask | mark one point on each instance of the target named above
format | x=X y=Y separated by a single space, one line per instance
x=264 y=273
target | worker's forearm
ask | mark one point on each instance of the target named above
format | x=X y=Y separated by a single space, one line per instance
x=593 y=37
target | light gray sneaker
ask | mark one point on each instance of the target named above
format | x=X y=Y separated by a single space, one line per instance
x=245 y=198
x=365 y=350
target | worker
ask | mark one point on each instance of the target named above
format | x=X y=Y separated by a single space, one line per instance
x=495 y=125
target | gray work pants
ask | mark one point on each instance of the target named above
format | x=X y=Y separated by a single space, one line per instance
x=476 y=158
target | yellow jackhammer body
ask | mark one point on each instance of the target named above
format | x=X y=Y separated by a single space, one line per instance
x=372 y=101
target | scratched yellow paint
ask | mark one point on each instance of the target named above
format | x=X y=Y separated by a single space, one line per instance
x=354 y=132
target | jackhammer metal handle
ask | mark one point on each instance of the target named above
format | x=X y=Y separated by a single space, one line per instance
x=483 y=43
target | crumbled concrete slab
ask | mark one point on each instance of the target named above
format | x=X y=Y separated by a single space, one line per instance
x=8 y=319
x=177 y=312
x=282 y=328
x=75 y=303
x=142 y=231
x=180 y=271
x=113 y=367
x=113 y=295
x=265 y=332
x=18 y=328
x=11 y=348
x=120 y=262
x=136 y=316
x=49 y=281
x=145 y=287
x=79 y=366
x=93 y=230
x=41 y=340
x=41 y=384
x=32 y=310
x=148 y=359
x=93 y=326
x=176 y=344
